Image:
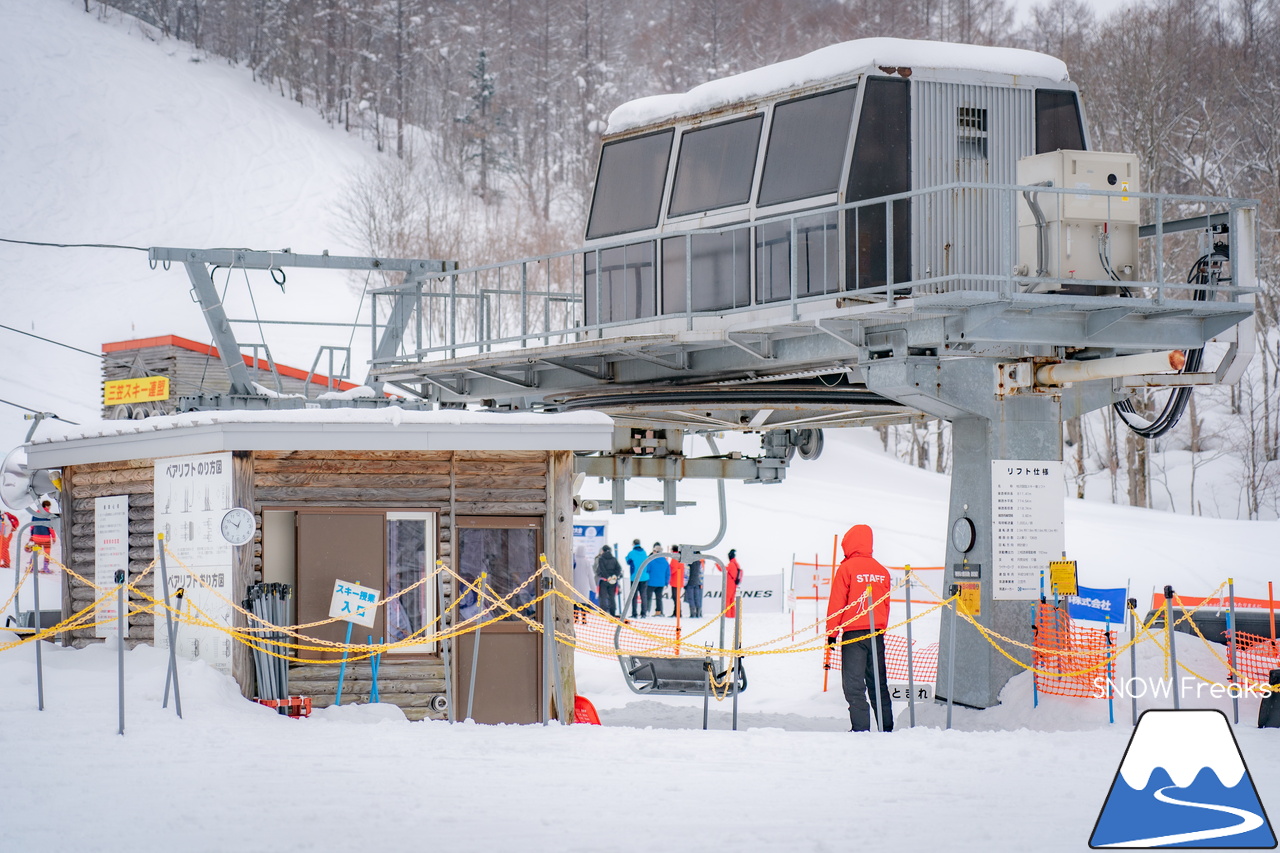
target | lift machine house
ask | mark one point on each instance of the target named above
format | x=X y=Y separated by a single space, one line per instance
x=879 y=231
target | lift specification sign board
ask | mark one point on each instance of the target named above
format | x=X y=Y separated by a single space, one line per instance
x=1027 y=510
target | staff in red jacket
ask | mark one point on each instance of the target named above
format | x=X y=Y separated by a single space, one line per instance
x=734 y=572
x=859 y=582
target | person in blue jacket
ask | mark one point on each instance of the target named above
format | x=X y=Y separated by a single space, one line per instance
x=659 y=576
x=639 y=580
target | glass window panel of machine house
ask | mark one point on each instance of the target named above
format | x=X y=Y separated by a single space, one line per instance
x=628 y=196
x=806 y=147
x=715 y=166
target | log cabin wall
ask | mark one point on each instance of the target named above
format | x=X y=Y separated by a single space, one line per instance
x=451 y=483
x=82 y=484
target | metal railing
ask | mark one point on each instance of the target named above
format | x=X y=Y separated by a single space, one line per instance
x=665 y=281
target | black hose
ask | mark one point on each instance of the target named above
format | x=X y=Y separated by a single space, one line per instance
x=1176 y=405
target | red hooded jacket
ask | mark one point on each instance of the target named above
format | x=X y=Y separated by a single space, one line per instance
x=849 y=587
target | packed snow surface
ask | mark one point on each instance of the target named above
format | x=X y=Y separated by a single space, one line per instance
x=832 y=63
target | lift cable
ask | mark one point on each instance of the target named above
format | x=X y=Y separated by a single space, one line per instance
x=108 y=358
x=38 y=412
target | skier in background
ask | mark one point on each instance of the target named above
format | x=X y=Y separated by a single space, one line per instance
x=42 y=536
x=659 y=569
x=849 y=611
x=639 y=579
x=8 y=527
x=608 y=571
x=677 y=582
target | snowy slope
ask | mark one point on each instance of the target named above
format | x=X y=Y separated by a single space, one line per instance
x=107 y=136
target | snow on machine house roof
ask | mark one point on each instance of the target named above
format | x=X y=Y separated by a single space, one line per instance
x=832 y=63
x=391 y=428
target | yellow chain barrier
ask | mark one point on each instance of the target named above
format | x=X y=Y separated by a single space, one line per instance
x=499 y=608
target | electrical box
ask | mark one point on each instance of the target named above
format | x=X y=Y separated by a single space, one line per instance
x=1074 y=235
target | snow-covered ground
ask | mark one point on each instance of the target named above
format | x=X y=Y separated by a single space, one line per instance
x=107 y=136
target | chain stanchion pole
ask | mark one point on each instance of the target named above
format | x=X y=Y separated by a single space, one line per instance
x=951 y=652
x=172 y=629
x=1173 y=652
x=1035 y=629
x=1133 y=656
x=911 y=674
x=342 y=670
x=708 y=671
x=120 y=621
x=875 y=659
x=548 y=637
x=168 y=676
x=737 y=660
x=475 y=649
x=36 y=570
x=1111 y=699
x=1231 y=650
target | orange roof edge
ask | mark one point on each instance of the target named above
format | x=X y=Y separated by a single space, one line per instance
x=212 y=352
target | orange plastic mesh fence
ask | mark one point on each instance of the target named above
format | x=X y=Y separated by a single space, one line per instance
x=1062 y=646
x=1256 y=657
x=641 y=636
x=924 y=663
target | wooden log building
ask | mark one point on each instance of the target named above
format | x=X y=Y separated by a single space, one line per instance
x=365 y=496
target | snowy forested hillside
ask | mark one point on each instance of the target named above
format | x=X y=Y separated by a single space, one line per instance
x=491 y=113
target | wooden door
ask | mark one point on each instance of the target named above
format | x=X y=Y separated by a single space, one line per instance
x=335 y=544
x=508 y=668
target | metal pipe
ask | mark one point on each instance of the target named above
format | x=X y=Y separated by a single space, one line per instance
x=951 y=653
x=172 y=630
x=120 y=620
x=706 y=689
x=39 y=622
x=548 y=637
x=342 y=670
x=1133 y=655
x=168 y=676
x=1231 y=650
x=1167 y=361
x=737 y=661
x=911 y=679
x=475 y=649
x=1173 y=652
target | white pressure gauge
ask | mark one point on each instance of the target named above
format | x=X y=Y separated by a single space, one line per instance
x=238 y=525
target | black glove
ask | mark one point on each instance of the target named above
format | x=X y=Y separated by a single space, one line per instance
x=831 y=641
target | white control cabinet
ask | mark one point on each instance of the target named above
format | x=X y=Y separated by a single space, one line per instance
x=1084 y=236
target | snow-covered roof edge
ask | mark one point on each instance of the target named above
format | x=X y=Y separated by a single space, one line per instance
x=833 y=62
x=389 y=428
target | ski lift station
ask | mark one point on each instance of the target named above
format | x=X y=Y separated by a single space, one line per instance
x=877 y=232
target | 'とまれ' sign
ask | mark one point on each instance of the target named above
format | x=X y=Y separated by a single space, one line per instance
x=354 y=603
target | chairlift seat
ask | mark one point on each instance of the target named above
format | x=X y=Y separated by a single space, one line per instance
x=674 y=676
x=24 y=625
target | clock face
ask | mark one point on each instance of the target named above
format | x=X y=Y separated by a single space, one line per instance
x=238 y=525
x=962 y=534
